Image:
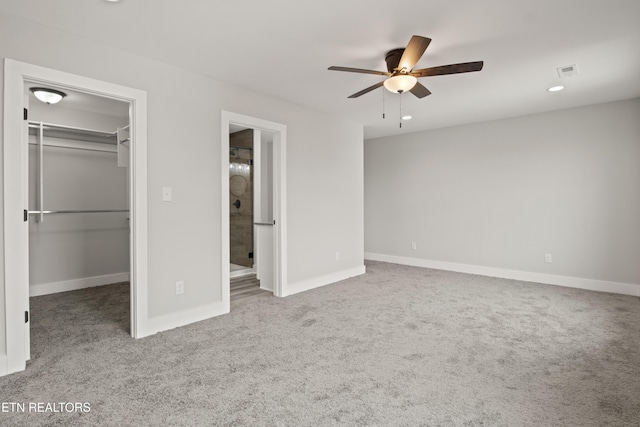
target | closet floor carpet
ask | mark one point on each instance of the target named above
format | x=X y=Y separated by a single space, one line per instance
x=396 y=346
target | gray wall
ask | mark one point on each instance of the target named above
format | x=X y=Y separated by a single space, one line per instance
x=325 y=205
x=77 y=246
x=503 y=193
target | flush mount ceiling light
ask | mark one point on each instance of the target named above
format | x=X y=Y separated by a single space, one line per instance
x=555 y=88
x=48 y=96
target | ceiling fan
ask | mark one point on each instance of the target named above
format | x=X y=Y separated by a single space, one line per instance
x=401 y=75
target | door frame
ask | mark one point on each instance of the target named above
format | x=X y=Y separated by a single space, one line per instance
x=15 y=244
x=279 y=199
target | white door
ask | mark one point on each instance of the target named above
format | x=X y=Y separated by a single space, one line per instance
x=263 y=209
x=25 y=229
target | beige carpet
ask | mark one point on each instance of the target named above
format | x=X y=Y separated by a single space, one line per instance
x=399 y=346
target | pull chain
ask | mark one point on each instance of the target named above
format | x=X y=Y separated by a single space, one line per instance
x=383 y=104
x=400 y=92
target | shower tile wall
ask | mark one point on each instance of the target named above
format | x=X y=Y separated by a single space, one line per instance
x=241 y=189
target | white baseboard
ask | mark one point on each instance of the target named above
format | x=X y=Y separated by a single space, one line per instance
x=316 y=282
x=182 y=318
x=72 y=285
x=525 y=276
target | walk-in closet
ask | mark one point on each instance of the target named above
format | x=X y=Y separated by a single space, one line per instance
x=78 y=185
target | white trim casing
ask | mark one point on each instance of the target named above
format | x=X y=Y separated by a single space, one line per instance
x=257 y=178
x=280 y=285
x=75 y=284
x=525 y=276
x=257 y=194
x=138 y=212
x=225 y=244
x=3 y=365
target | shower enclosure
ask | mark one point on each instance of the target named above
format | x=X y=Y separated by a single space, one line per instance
x=241 y=199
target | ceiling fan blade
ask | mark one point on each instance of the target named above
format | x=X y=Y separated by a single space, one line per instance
x=420 y=91
x=465 y=67
x=359 y=70
x=367 y=90
x=413 y=52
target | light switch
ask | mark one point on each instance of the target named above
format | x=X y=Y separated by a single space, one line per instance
x=166 y=194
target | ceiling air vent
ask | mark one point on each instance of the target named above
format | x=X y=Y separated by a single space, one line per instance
x=568 y=71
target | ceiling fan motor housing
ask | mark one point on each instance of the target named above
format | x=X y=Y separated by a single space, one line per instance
x=392 y=59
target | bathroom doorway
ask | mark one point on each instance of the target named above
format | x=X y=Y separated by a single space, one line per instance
x=268 y=201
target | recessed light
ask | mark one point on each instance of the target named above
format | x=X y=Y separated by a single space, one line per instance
x=555 y=88
x=112 y=1
x=406 y=117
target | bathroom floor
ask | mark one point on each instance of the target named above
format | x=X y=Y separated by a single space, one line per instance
x=240 y=270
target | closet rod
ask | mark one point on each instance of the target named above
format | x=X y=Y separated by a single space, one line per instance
x=52 y=126
x=74 y=212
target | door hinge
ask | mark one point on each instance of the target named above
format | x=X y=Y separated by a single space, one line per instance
x=26 y=317
x=25 y=114
x=251 y=255
x=26 y=215
x=274 y=222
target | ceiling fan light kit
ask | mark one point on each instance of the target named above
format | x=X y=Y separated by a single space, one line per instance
x=400 y=83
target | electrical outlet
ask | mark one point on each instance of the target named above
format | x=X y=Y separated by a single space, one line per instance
x=337 y=256
x=548 y=258
x=414 y=246
x=180 y=287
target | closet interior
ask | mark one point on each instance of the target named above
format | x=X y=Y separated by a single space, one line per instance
x=78 y=186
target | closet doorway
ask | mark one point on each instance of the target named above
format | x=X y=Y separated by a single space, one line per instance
x=74 y=195
x=253 y=202
x=78 y=192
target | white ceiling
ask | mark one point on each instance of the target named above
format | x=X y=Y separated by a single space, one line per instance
x=283 y=48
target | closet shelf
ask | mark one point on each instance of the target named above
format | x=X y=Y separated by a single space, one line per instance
x=74 y=133
x=80 y=134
